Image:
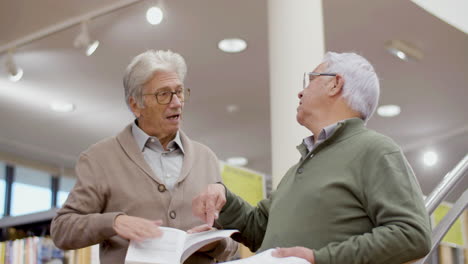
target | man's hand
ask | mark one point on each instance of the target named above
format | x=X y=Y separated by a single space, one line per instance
x=300 y=252
x=203 y=228
x=209 y=203
x=136 y=228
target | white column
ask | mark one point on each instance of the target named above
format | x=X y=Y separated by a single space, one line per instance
x=296 y=45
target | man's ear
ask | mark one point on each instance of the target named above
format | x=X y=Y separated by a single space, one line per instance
x=134 y=106
x=338 y=84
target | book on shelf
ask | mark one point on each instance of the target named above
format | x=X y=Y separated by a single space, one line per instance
x=265 y=257
x=40 y=250
x=174 y=246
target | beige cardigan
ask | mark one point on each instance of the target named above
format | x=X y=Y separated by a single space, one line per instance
x=114 y=179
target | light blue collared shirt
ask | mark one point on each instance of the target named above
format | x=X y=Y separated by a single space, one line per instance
x=166 y=164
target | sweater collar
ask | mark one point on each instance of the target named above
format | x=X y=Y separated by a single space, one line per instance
x=344 y=129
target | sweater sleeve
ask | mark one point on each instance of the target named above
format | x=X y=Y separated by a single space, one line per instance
x=393 y=201
x=80 y=223
x=250 y=221
x=227 y=247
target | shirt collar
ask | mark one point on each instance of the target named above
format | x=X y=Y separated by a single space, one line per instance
x=324 y=134
x=142 y=139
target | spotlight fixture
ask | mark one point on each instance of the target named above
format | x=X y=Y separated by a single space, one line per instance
x=15 y=73
x=404 y=50
x=83 y=40
x=154 y=15
x=388 y=110
x=232 y=45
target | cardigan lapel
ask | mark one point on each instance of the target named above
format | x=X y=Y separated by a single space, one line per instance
x=189 y=156
x=129 y=145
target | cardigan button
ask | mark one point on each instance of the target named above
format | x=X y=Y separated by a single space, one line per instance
x=161 y=188
x=300 y=170
x=172 y=214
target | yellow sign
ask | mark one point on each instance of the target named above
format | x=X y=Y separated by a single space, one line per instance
x=455 y=234
x=245 y=183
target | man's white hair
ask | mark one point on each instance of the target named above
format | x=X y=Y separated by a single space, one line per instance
x=143 y=67
x=361 y=85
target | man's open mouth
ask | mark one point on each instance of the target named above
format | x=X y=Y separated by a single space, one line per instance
x=174 y=117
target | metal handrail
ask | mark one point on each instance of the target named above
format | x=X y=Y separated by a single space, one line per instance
x=444 y=225
x=446 y=185
x=437 y=196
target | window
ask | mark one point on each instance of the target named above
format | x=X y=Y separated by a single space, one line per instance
x=31 y=191
x=65 y=186
x=2 y=188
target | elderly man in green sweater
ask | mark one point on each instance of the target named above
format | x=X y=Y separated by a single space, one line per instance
x=351 y=198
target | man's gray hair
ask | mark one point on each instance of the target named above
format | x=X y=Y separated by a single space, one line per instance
x=143 y=67
x=361 y=85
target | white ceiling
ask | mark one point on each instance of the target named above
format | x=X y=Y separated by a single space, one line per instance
x=432 y=93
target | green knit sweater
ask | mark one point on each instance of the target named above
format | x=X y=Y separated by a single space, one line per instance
x=353 y=199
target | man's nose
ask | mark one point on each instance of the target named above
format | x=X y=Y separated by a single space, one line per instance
x=175 y=101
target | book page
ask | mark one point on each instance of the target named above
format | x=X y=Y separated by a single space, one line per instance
x=266 y=258
x=197 y=240
x=166 y=249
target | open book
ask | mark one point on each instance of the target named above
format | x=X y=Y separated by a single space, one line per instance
x=266 y=258
x=173 y=247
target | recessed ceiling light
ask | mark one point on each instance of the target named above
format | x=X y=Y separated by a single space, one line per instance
x=401 y=55
x=154 y=15
x=232 y=108
x=404 y=50
x=62 y=107
x=388 y=110
x=232 y=45
x=430 y=158
x=398 y=53
x=237 y=161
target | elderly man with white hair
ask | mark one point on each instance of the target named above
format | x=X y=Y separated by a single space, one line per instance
x=351 y=198
x=144 y=177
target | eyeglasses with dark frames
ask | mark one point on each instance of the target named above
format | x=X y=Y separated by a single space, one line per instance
x=165 y=97
x=309 y=76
